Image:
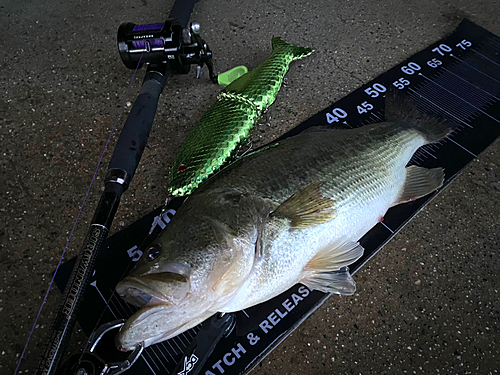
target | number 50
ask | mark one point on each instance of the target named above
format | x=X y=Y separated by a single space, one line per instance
x=375 y=90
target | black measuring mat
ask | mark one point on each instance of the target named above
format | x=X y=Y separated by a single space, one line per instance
x=457 y=77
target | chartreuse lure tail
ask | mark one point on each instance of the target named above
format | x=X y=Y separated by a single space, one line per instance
x=227 y=124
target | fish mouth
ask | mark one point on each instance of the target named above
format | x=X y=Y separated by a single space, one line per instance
x=137 y=292
x=163 y=288
x=167 y=308
x=126 y=340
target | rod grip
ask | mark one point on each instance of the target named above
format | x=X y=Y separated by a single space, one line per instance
x=135 y=133
x=182 y=11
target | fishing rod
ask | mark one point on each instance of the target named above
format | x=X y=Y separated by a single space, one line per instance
x=166 y=48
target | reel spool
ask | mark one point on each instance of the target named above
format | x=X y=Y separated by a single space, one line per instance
x=164 y=43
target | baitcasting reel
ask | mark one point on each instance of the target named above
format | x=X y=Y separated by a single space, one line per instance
x=165 y=43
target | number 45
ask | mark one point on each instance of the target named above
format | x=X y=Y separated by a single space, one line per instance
x=364 y=107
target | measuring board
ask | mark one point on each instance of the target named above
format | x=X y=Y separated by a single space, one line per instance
x=457 y=77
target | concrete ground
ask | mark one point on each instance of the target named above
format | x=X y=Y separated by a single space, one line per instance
x=428 y=303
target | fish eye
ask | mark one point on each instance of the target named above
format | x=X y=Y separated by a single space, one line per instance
x=153 y=251
x=182 y=168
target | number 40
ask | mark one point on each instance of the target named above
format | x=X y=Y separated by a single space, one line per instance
x=335 y=115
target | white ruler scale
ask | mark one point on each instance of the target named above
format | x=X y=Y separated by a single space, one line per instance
x=457 y=78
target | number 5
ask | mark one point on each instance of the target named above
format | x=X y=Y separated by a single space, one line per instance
x=134 y=253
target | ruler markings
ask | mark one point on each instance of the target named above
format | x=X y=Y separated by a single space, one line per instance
x=444 y=102
x=485 y=57
x=442 y=109
x=428 y=152
x=434 y=97
x=161 y=352
x=176 y=344
x=473 y=67
x=152 y=349
x=168 y=351
x=390 y=230
x=489 y=95
x=459 y=145
x=480 y=110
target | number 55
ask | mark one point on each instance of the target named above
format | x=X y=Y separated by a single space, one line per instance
x=401 y=83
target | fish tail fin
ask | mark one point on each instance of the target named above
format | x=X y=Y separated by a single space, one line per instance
x=279 y=45
x=399 y=107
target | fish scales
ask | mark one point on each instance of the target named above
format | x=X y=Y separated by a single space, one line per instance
x=329 y=155
x=227 y=124
x=363 y=187
x=291 y=212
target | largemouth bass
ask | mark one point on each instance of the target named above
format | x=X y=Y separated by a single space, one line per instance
x=227 y=123
x=290 y=213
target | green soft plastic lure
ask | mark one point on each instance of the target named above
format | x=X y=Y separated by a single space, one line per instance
x=227 y=124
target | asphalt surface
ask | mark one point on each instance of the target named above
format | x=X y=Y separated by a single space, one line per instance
x=427 y=303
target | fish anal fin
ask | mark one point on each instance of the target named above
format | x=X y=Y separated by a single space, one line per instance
x=307 y=207
x=420 y=182
x=336 y=282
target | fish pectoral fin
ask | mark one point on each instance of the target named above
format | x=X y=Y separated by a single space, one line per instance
x=228 y=274
x=223 y=232
x=420 y=182
x=227 y=283
x=231 y=269
x=336 y=282
x=307 y=207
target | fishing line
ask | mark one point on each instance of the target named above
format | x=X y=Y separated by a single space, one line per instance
x=108 y=303
x=124 y=313
x=78 y=216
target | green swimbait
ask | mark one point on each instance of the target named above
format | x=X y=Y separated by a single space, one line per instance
x=227 y=124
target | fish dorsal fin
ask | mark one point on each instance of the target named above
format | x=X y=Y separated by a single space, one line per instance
x=420 y=182
x=327 y=271
x=307 y=207
x=336 y=282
